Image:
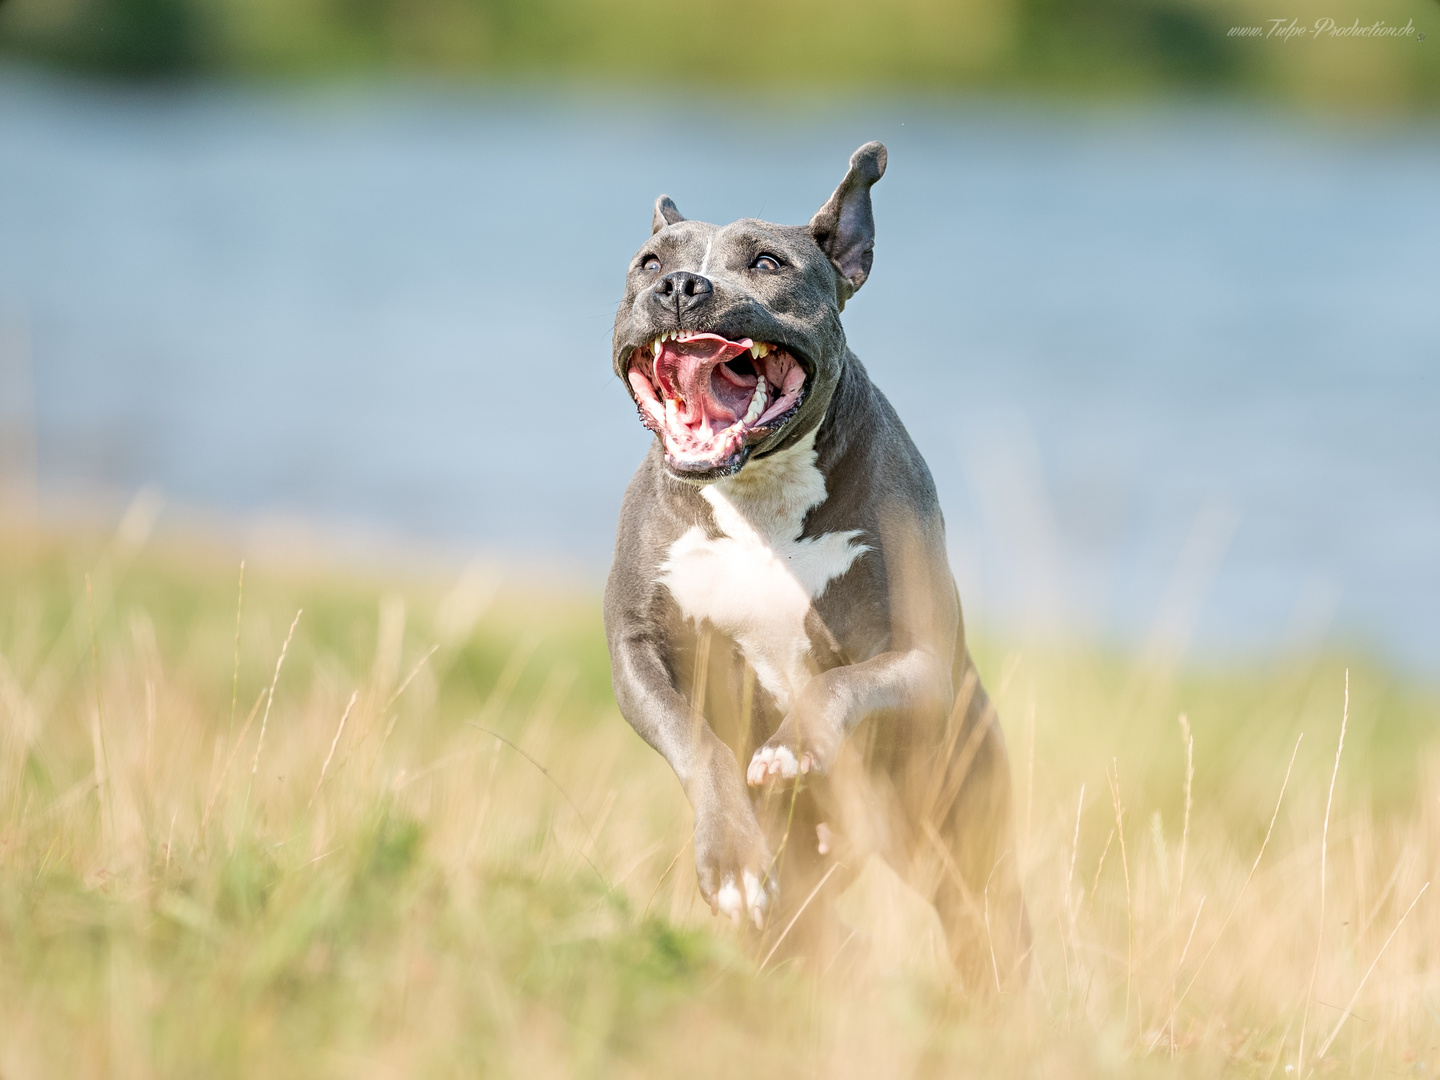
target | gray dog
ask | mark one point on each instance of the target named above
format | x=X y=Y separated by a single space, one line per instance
x=781 y=595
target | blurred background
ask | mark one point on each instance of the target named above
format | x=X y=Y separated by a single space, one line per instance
x=1156 y=300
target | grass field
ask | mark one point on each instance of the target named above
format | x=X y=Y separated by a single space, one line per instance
x=1125 y=49
x=401 y=830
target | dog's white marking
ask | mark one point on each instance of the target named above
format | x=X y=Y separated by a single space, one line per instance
x=705 y=262
x=729 y=900
x=757 y=581
x=756 y=900
x=775 y=761
x=783 y=762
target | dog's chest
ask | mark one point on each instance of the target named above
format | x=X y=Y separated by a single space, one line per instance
x=757 y=580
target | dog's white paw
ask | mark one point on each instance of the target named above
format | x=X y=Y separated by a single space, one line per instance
x=754 y=900
x=775 y=761
x=729 y=900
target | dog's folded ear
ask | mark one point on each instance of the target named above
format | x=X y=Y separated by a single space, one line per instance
x=845 y=226
x=665 y=214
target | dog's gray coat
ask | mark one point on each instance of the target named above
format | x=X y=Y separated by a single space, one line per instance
x=796 y=610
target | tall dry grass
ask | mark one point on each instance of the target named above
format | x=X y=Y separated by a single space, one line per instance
x=342 y=826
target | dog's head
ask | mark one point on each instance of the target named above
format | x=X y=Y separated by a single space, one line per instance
x=729 y=337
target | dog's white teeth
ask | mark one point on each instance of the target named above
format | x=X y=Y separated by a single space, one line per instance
x=757 y=403
x=755 y=352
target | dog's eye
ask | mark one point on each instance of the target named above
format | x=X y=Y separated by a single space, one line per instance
x=765 y=262
x=651 y=263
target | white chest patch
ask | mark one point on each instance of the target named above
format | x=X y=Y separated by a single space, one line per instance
x=757 y=581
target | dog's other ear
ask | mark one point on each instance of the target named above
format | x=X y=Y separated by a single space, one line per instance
x=845 y=226
x=665 y=214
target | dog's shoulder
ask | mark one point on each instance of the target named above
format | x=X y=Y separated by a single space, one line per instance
x=872 y=469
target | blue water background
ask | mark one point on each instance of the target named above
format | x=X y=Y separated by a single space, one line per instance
x=1176 y=369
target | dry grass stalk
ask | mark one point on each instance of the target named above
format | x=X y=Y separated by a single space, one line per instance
x=270 y=697
x=1114 y=778
x=1349 y=1005
x=330 y=756
x=1248 y=877
x=798 y=912
x=235 y=670
x=1324 y=850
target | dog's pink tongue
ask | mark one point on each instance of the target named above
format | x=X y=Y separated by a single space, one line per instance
x=684 y=368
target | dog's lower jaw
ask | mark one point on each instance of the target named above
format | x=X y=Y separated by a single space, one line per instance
x=699 y=478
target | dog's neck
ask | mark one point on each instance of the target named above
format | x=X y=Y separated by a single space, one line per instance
x=770 y=496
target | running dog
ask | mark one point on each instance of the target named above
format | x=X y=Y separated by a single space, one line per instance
x=780 y=593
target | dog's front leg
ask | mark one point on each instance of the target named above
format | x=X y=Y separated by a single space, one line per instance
x=912 y=681
x=732 y=860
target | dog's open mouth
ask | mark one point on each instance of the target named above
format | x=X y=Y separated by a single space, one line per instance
x=710 y=398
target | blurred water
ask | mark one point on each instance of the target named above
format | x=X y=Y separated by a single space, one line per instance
x=1175 y=370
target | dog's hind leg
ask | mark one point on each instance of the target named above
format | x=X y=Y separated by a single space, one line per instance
x=963 y=831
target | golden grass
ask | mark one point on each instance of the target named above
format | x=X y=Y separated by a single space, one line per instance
x=411 y=836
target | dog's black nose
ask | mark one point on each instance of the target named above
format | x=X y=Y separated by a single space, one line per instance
x=683 y=289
